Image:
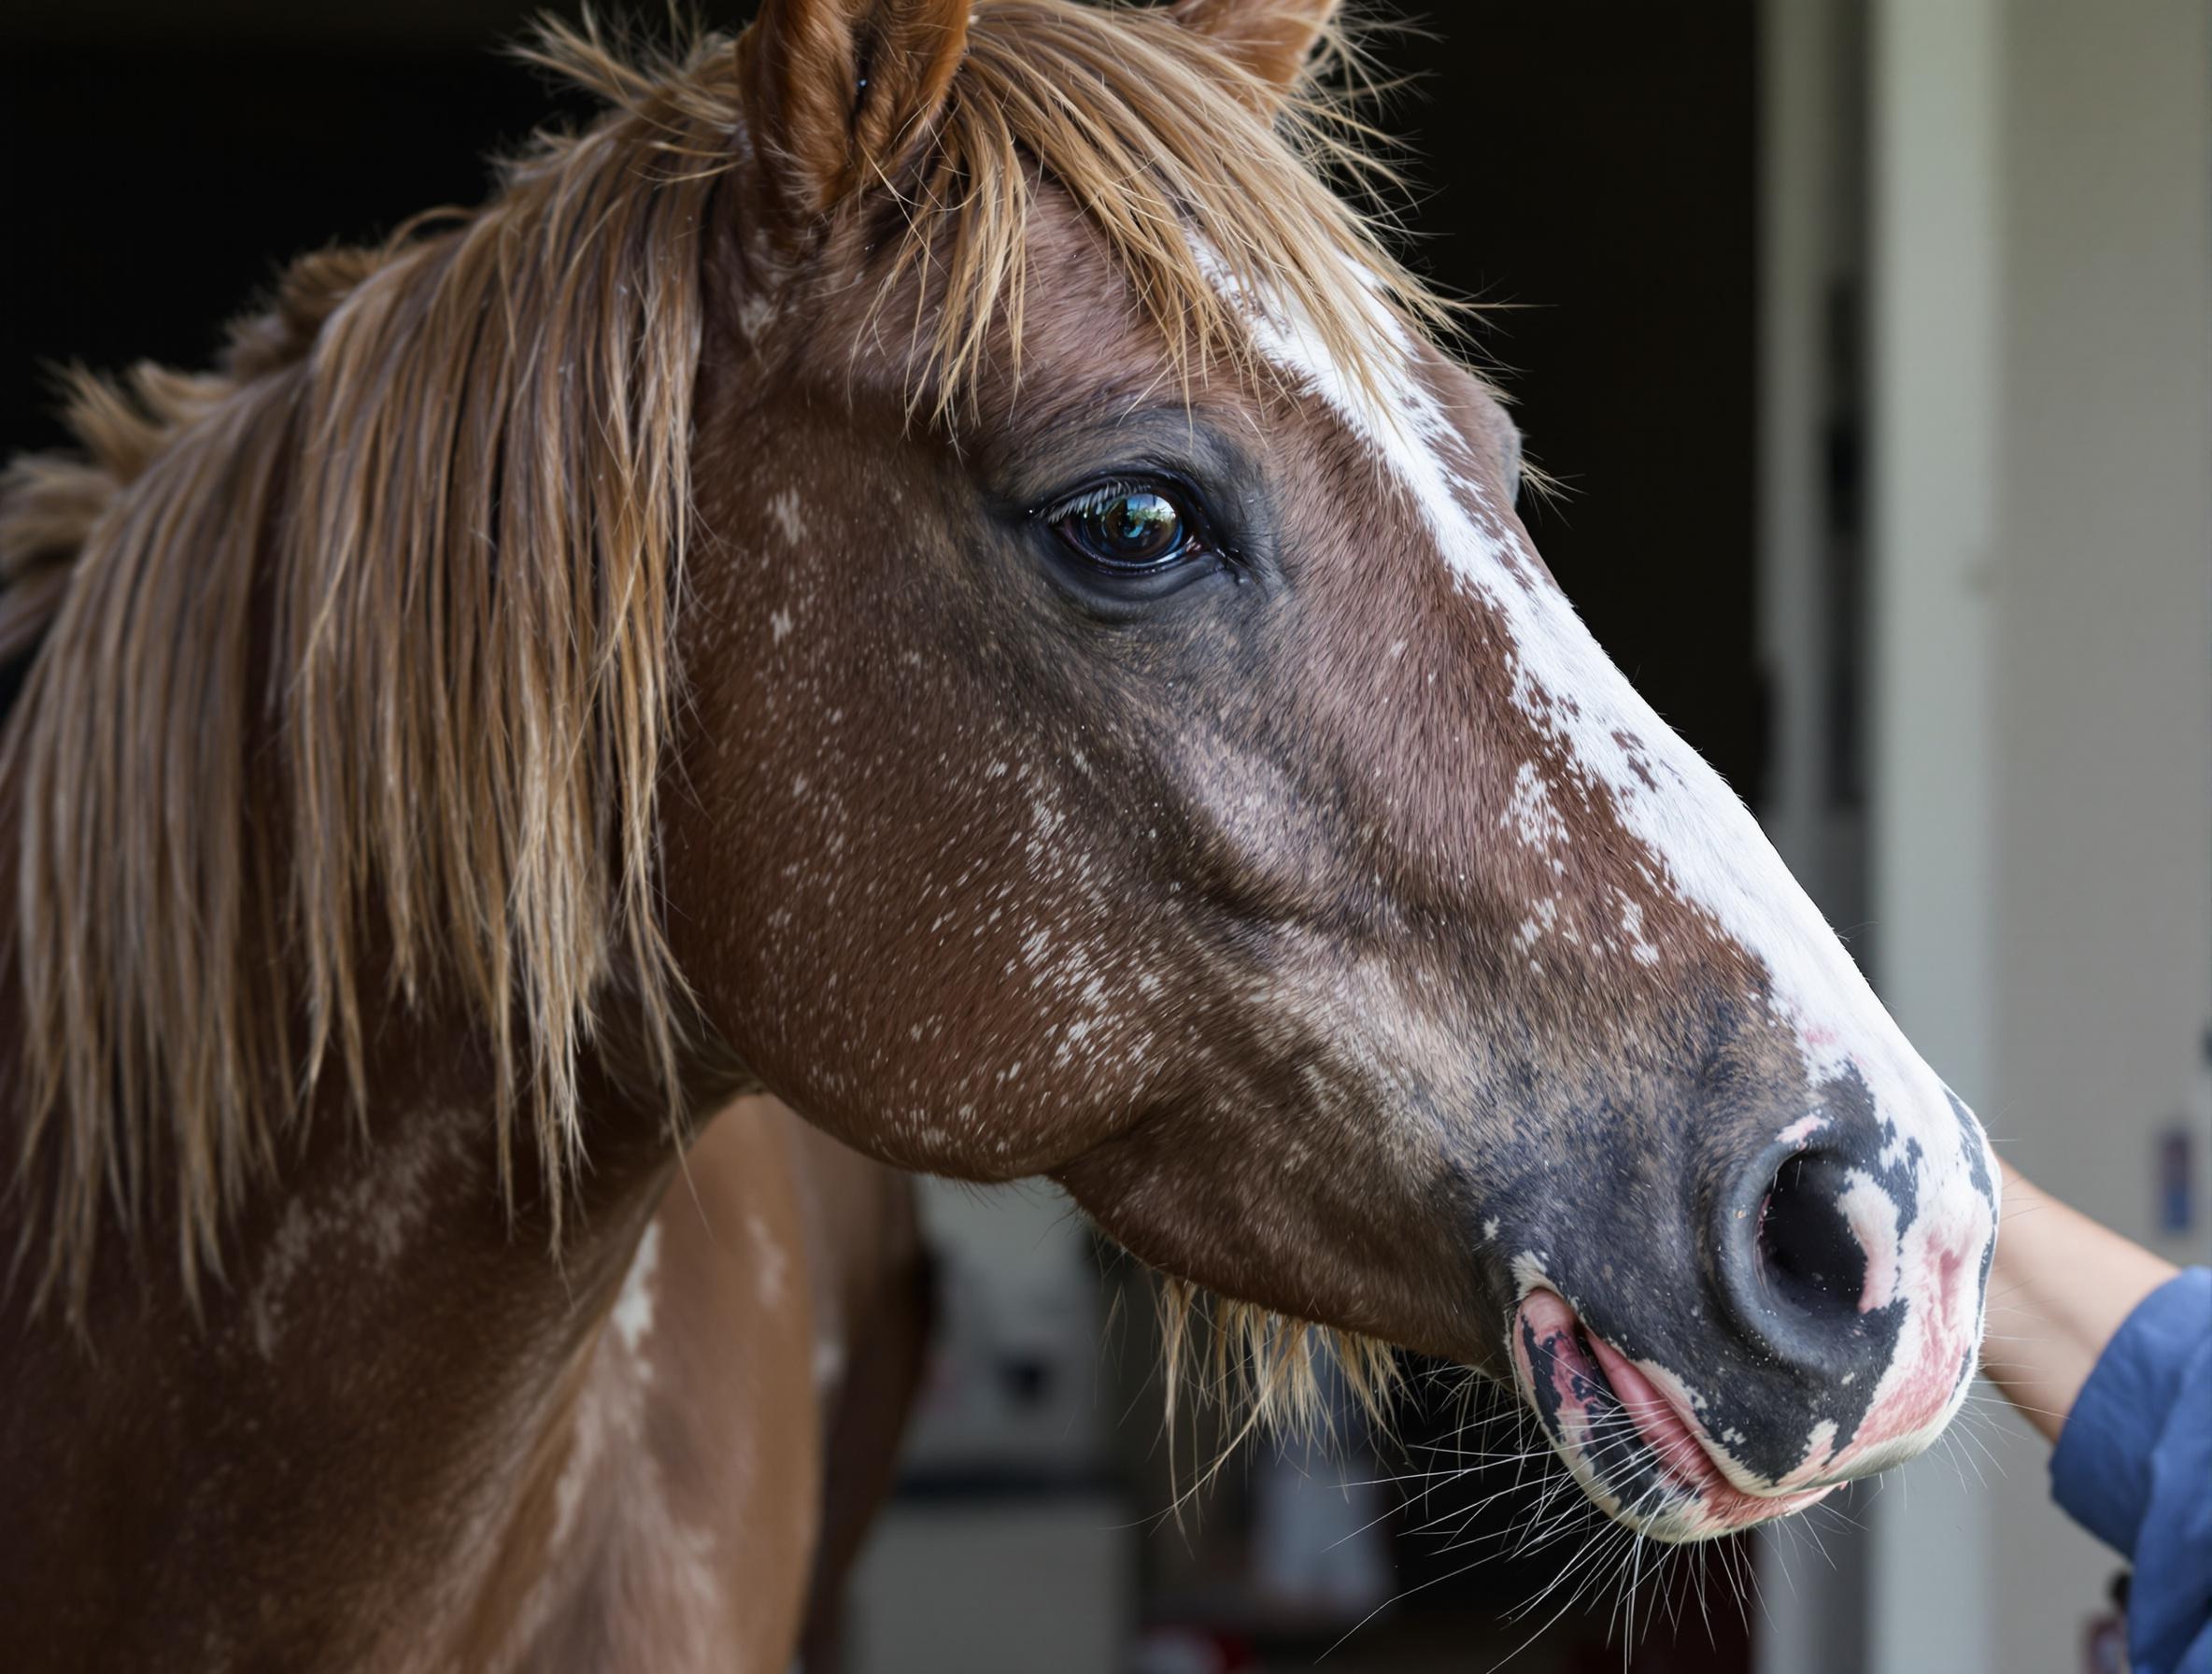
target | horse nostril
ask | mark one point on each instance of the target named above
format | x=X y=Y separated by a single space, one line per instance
x=1791 y=1270
x=1808 y=1259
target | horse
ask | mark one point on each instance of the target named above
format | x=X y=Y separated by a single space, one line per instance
x=922 y=594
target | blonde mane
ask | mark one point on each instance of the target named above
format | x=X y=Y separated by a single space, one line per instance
x=354 y=666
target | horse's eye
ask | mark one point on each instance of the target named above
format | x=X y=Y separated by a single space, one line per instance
x=1124 y=529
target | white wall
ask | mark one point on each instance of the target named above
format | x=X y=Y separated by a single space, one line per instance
x=2042 y=872
x=2102 y=660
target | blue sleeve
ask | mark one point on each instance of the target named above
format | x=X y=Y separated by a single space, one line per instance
x=2133 y=1466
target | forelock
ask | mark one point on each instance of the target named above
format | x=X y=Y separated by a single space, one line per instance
x=1208 y=209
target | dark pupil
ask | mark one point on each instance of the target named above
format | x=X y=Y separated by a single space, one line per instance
x=1135 y=529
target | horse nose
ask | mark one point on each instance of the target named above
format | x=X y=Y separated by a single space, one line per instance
x=1793 y=1269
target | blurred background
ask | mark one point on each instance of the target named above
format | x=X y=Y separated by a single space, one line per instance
x=1871 y=341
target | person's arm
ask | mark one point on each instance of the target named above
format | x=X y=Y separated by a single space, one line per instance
x=2109 y=1350
x=2060 y=1287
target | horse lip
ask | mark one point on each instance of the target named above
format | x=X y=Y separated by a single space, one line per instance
x=1640 y=1396
x=1698 y=1465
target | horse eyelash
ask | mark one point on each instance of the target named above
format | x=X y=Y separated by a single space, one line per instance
x=1205 y=529
x=1104 y=494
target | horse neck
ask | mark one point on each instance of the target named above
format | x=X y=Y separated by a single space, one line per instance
x=386 y=1348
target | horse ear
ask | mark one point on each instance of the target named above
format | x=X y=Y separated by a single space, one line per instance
x=839 y=90
x=1271 y=39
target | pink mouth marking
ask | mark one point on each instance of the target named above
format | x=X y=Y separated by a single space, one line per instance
x=1582 y=1389
x=1944 y=1331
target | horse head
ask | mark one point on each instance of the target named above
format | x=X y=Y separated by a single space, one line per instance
x=1131 y=738
x=930 y=561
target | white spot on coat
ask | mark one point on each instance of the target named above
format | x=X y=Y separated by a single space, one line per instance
x=1529 y=811
x=634 y=1309
x=783 y=507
